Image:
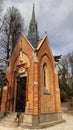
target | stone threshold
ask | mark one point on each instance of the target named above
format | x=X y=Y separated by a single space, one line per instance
x=43 y=125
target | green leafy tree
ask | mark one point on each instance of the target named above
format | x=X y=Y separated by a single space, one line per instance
x=70 y=60
x=66 y=76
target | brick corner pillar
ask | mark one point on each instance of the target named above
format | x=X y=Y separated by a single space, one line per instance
x=57 y=93
x=35 y=93
x=4 y=96
x=35 y=89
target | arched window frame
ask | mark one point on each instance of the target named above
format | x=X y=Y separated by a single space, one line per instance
x=45 y=78
x=44 y=75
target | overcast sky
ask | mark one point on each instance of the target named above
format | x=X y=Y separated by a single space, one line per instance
x=54 y=17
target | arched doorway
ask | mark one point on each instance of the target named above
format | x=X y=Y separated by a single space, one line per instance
x=21 y=94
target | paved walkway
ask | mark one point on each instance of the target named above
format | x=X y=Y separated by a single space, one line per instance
x=68 y=125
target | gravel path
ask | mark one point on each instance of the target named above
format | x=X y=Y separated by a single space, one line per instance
x=68 y=125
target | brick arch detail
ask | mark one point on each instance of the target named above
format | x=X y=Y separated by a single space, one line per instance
x=25 y=62
x=49 y=59
x=48 y=69
x=15 y=60
x=48 y=98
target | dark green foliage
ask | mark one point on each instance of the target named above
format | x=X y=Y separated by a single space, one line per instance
x=66 y=76
x=63 y=95
x=3 y=82
x=57 y=58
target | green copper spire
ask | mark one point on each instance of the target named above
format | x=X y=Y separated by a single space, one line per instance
x=33 y=30
x=33 y=14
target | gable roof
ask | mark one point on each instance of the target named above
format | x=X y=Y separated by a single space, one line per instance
x=41 y=42
x=28 y=41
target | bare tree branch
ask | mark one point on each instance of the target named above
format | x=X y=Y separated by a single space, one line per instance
x=12 y=27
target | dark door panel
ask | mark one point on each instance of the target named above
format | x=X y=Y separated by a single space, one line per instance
x=21 y=94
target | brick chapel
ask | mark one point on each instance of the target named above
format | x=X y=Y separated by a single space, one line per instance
x=33 y=87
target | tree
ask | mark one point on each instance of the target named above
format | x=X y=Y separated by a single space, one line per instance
x=12 y=28
x=3 y=81
x=1 y=8
x=66 y=76
x=1 y=25
x=63 y=74
x=1 y=2
x=70 y=80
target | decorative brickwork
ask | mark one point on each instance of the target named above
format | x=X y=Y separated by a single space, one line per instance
x=4 y=97
x=33 y=87
x=42 y=98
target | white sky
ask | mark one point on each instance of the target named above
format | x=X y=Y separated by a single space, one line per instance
x=54 y=17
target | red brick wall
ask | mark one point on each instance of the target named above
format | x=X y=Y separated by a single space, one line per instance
x=35 y=89
x=28 y=51
x=57 y=93
x=38 y=101
x=4 y=98
x=47 y=102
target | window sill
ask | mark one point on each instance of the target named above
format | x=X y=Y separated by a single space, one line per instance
x=46 y=91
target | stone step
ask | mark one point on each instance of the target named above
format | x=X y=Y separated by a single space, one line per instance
x=9 y=120
x=11 y=124
x=26 y=121
x=51 y=123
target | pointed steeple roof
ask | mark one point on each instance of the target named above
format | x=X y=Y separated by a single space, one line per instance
x=33 y=14
x=33 y=30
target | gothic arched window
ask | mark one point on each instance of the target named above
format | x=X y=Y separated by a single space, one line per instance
x=33 y=28
x=44 y=74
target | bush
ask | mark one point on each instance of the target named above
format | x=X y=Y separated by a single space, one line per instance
x=63 y=95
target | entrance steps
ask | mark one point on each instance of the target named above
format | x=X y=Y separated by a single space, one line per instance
x=26 y=120
x=9 y=120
